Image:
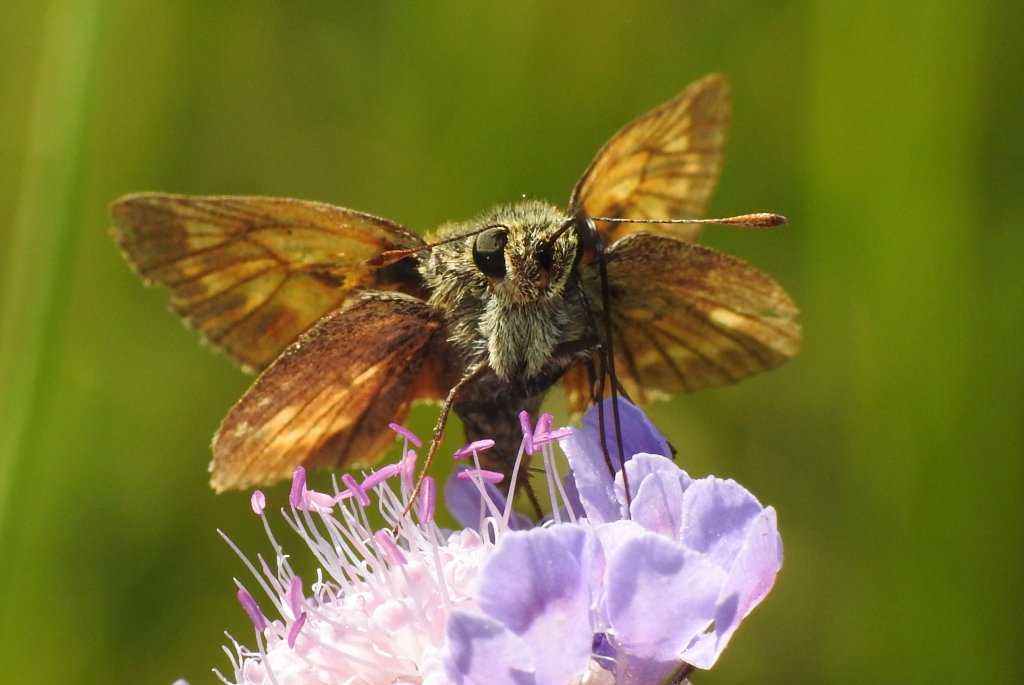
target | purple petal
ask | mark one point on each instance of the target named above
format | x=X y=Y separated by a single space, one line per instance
x=659 y=596
x=657 y=486
x=481 y=651
x=750 y=578
x=632 y=670
x=638 y=433
x=657 y=505
x=716 y=515
x=572 y=495
x=536 y=584
x=594 y=484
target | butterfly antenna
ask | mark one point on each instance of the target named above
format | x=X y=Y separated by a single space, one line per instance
x=758 y=220
x=389 y=257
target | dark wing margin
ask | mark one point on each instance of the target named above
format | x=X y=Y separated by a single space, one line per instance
x=328 y=399
x=662 y=165
x=686 y=317
x=252 y=273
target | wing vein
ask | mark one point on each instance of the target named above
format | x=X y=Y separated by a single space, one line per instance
x=225 y=332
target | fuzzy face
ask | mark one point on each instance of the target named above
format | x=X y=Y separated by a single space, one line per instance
x=510 y=296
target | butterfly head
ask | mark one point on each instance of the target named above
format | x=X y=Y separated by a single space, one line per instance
x=505 y=283
x=528 y=258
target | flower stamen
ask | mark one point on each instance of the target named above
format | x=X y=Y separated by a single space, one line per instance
x=357 y=491
x=406 y=433
x=252 y=609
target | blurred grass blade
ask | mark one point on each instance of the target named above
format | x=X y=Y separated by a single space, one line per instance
x=43 y=238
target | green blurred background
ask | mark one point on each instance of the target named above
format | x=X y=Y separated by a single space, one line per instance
x=889 y=133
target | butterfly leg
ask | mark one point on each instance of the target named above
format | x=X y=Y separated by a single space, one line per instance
x=442 y=420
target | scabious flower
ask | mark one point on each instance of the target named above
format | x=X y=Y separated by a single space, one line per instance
x=615 y=586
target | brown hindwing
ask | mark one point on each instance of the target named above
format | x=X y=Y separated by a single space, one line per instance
x=685 y=317
x=328 y=399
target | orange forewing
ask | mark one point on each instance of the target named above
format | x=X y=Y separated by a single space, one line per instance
x=685 y=317
x=252 y=273
x=328 y=399
x=663 y=165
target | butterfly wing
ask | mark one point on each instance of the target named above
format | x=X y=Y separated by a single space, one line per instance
x=663 y=165
x=686 y=317
x=252 y=273
x=328 y=399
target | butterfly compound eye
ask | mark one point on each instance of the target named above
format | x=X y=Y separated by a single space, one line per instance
x=489 y=252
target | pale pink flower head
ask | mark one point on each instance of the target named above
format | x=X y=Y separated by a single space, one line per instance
x=377 y=610
x=636 y=577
